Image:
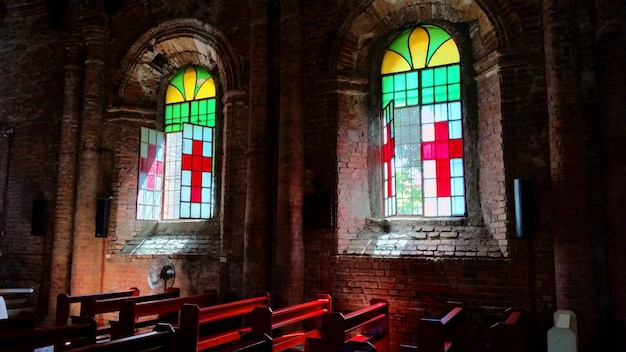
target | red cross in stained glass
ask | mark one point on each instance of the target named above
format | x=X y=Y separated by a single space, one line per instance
x=197 y=164
x=389 y=151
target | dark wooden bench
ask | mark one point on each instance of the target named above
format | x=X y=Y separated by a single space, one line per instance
x=193 y=318
x=446 y=334
x=161 y=339
x=93 y=306
x=134 y=315
x=368 y=326
x=23 y=321
x=64 y=301
x=19 y=299
x=512 y=334
x=290 y=326
x=81 y=332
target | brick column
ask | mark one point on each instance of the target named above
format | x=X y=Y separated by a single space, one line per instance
x=572 y=184
x=87 y=255
x=258 y=212
x=66 y=184
x=288 y=274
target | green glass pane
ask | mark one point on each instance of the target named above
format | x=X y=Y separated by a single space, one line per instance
x=168 y=114
x=401 y=45
x=202 y=76
x=387 y=84
x=176 y=111
x=168 y=128
x=454 y=74
x=454 y=91
x=400 y=99
x=441 y=93
x=202 y=107
x=441 y=76
x=210 y=106
x=177 y=80
x=210 y=120
x=427 y=78
x=428 y=95
x=412 y=97
x=399 y=82
x=387 y=97
x=184 y=110
x=412 y=80
x=194 y=108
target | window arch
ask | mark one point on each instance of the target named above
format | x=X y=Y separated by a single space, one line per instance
x=422 y=125
x=176 y=167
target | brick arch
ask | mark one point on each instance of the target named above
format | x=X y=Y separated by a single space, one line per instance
x=376 y=18
x=162 y=50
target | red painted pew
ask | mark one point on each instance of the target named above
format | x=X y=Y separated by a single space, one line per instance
x=292 y=325
x=64 y=301
x=368 y=326
x=512 y=334
x=134 y=315
x=193 y=318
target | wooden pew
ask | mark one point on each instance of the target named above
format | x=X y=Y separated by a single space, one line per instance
x=161 y=339
x=81 y=332
x=193 y=318
x=134 y=315
x=512 y=334
x=23 y=321
x=64 y=301
x=292 y=325
x=360 y=329
x=446 y=334
x=92 y=306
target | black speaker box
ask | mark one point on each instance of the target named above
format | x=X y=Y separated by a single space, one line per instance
x=38 y=219
x=102 y=217
x=524 y=204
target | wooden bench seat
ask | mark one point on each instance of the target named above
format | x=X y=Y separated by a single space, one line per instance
x=512 y=334
x=368 y=326
x=446 y=334
x=290 y=326
x=134 y=315
x=193 y=318
x=64 y=301
x=161 y=339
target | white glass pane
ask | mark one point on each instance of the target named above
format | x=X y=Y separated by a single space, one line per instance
x=441 y=112
x=456 y=167
x=185 y=194
x=455 y=129
x=430 y=188
x=206 y=195
x=206 y=179
x=185 y=211
x=207 y=149
x=152 y=139
x=393 y=185
x=148 y=197
x=160 y=138
x=444 y=206
x=186 y=178
x=458 y=206
x=197 y=134
x=195 y=210
x=458 y=188
x=454 y=110
x=143 y=150
x=187 y=146
x=205 y=210
x=158 y=183
x=145 y=132
x=430 y=207
x=428 y=114
x=428 y=132
x=430 y=169
x=140 y=211
x=160 y=152
x=142 y=180
x=187 y=131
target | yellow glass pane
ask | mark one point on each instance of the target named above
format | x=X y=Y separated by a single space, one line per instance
x=393 y=62
x=418 y=42
x=173 y=95
x=207 y=90
x=189 y=80
x=448 y=53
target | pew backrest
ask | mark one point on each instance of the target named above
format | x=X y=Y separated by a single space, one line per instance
x=193 y=317
x=80 y=333
x=511 y=335
x=368 y=325
x=441 y=335
x=23 y=321
x=64 y=301
x=166 y=310
x=265 y=321
x=92 y=306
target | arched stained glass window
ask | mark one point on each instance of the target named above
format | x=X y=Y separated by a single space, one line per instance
x=422 y=129
x=176 y=171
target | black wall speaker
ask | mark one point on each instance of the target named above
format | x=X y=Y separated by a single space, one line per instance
x=102 y=217
x=38 y=219
x=524 y=203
